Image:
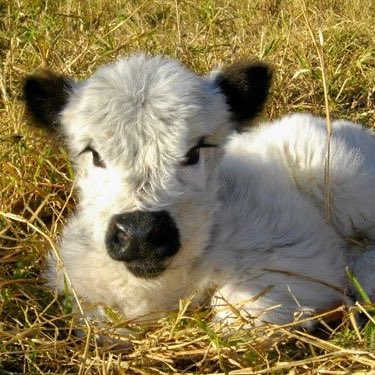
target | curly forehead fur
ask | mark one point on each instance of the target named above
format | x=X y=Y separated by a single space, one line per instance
x=156 y=110
x=175 y=202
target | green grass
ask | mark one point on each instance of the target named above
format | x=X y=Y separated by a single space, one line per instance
x=73 y=37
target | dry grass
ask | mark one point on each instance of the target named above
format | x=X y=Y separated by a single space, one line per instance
x=35 y=186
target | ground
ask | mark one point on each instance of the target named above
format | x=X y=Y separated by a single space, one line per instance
x=323 y=55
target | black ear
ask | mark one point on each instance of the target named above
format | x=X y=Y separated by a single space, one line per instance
x=45 y=95
x=245 y=85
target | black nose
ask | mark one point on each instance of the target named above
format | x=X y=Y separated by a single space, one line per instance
x=142 y=237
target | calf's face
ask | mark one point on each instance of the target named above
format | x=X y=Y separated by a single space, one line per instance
x=146 y=138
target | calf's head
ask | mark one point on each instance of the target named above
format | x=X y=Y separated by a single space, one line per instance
x=146 y=138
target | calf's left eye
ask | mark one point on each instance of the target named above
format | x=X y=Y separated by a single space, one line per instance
x=192 y=157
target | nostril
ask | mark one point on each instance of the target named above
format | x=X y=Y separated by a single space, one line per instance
x=117 y=239
x=120 y=245
x=157 y=236
x=156 y=232
x=121 y=236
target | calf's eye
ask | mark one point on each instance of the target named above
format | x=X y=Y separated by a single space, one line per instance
x=192 y=157
x=96 y=158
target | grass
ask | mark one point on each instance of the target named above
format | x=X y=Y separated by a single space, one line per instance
x=73 y=37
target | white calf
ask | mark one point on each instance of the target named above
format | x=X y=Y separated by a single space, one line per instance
x=173 y=202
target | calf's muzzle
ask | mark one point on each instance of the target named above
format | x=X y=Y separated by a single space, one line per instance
x=143 y=240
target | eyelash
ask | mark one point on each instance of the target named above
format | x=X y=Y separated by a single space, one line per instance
x=193 y=155
x=96 y=158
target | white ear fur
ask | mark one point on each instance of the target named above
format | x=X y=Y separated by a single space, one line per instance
x=214 y=73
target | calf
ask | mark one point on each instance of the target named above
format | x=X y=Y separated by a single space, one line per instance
x=175 y=201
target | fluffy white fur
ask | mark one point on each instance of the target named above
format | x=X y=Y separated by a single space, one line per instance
x=250 y=213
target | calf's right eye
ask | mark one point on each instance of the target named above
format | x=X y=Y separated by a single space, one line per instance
x=96 y=158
